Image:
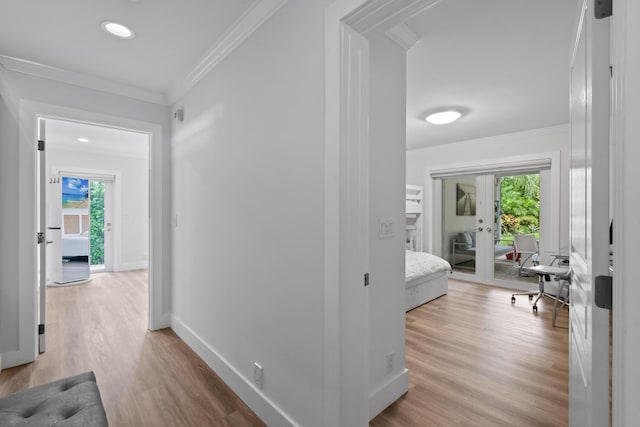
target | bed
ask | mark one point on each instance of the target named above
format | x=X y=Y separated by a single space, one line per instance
x=425 y=278
x=425 y=274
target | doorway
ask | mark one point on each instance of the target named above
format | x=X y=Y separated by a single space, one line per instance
x=480 y=216
x=94 y=197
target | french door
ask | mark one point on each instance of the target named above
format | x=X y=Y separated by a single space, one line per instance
x=469 y=225
x=481 y=212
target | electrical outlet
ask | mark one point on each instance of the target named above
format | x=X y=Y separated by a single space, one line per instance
x=390 y=361
x=258 y=377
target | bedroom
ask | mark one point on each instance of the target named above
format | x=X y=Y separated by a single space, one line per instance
x=512 y=93
x=513 y=98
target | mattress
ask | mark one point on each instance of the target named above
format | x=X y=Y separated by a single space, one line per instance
x=418 y=264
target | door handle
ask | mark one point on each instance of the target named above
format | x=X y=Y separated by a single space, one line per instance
x=479 y=228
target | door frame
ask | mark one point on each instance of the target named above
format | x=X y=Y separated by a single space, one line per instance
x=625 y=152
x=29 y=112
x=546 y=163
x=343 y=310
x=348 y=24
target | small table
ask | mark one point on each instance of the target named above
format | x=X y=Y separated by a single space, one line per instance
x=557 y=257
x=544 y=271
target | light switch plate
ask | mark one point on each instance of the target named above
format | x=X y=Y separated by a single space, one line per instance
x=385 y=228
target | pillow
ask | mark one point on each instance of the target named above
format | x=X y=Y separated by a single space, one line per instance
x=463 y=240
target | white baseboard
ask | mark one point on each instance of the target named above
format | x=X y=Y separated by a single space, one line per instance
x=265 y=409
x=388 y=393
x=139 y=265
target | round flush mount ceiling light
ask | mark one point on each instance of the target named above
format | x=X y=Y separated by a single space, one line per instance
x=118 y=30
x=83 y=140
x=443 y=117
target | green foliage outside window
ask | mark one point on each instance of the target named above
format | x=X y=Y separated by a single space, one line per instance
x=520 y=204
x=96 y=222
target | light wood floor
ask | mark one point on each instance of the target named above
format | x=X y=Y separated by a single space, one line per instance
x=145 y=378
x=475 y=359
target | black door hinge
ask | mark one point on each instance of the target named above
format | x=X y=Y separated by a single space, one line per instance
x=40 y=237
x=603 y=8
x=40 y=145
x=41 y=329
x=366 y=279
x=604 y=292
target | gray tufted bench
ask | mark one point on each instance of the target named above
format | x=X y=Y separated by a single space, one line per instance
x=69 y=402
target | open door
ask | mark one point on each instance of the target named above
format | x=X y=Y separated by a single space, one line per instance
x=42 y=240
x=589 y=220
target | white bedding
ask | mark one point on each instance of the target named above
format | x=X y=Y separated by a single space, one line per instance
x=419 y=264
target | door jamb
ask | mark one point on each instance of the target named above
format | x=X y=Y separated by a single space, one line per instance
x=29 y=111
x=347 y=25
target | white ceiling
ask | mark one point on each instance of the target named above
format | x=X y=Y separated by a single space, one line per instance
x=171 y=36
x=63 y=135
x=503 y=63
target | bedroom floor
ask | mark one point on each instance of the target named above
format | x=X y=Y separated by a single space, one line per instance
x=475 y=359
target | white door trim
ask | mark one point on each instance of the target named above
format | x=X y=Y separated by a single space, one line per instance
x=626 y=202
x=347 y=24
x=29 y=111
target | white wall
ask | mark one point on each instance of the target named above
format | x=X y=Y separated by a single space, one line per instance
x=131 y=201
x=16 y=302
x=248 y=208
x=386 y=202
x=492 y=149
x=8 y=219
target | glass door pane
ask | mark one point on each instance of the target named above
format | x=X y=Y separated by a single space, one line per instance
x=517 y=212
x=459 y=211
x=96 y=189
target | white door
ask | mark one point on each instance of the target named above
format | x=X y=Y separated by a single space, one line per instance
x=108 y=224
x=468 y=225
x=589 y=222
x=42 y=234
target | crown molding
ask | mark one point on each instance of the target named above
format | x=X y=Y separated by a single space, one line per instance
x=37 y=69
x=403 y=35
x=380 y=15
x=250 y=21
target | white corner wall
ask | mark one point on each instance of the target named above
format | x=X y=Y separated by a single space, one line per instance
x=387 y=61
x=248 y=217
x=131 y=201
x=9 y=308
x=491 y=150
x=16 y=265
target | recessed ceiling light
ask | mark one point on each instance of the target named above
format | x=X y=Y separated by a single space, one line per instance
x=118 y=30
x=443 y=117
x=83 y=140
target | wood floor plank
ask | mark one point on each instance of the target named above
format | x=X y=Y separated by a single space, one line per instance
x=145 y=378
x=475 y=359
